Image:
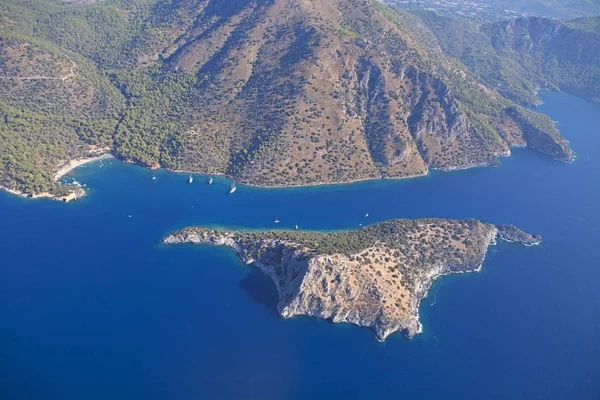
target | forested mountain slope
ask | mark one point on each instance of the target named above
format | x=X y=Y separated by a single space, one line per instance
x=520 y=56
x=268 y=92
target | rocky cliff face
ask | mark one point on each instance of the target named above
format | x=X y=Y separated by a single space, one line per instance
x=562 y=54
x=375 y=277
x=539 y=134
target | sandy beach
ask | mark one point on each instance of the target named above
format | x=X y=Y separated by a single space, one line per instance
x=76 y=163
x=75 y=194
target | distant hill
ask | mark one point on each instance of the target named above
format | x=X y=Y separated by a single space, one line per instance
x=563 y=9
x=519 y=56
x=267 y=92
x=496 y=10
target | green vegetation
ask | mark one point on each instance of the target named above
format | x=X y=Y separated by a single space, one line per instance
x=347 y=32
x=301 y=97
x=395 y=234
x=552 y=8
x=497 y=10
x=160 y=109
x=518 y=57
x=56 y=100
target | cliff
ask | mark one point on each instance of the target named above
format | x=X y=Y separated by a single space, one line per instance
x=374 y=277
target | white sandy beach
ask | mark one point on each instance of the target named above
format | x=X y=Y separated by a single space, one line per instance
x=71 y=165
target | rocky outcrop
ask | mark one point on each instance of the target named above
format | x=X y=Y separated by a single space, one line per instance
x=511 y=233
x=540 y=134
x=560 y=54
x=374 y=277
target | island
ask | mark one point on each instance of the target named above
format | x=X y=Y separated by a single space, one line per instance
x=373 y=277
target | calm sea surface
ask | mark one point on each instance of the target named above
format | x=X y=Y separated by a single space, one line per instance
x=92 y=306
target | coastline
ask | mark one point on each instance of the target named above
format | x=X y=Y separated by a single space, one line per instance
x=71 y=165
x=300 y=185
x=75 y=194
x=75 y=163
x=410 y=326
x=337 y=183
x=492 y=240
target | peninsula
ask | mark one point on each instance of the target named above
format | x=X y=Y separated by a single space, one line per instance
x=375 y=276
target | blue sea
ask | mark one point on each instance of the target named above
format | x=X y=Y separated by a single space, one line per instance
x=93 y=306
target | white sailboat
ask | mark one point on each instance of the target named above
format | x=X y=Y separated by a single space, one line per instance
x=366 y=215
x=190 y=179
x=233 y=188
x=210 y=180
x=276 y=220
x=296 y=226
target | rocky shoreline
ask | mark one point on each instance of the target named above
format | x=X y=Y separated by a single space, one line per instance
x=374 y=277
x=76 y=192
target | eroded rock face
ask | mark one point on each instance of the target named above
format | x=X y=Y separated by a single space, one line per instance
x=540 y=135
x=372 y=277
x=511 y=233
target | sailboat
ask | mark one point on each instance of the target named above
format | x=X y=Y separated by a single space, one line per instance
x=276 y=220
x=210 y=180
x=366 y=215
x=233 y=188
x=296 y=226
x=190 y=179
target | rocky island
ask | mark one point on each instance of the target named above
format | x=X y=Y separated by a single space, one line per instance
x=374 y=277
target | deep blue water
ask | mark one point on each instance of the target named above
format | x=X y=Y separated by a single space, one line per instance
x=92 y=306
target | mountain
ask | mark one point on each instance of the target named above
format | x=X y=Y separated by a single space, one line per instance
x=553 y=8
x=496 y=10
x=519 y=56
x=267 y=92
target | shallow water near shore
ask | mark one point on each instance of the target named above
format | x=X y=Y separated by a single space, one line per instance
x=93 y=306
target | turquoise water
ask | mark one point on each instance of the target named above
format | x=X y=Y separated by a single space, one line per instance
x=92 y=306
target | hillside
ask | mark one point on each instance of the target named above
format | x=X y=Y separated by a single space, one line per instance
x=267 y=92
x=497 y=10
x=518 y=57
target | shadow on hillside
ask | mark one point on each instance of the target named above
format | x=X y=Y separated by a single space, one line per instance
x=261 y=289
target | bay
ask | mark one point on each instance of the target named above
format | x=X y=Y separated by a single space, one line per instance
x=93 y=306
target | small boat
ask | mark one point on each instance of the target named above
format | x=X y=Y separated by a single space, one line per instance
x=366 y=215
x=233 y=188
x=210 y=180
x=190 y=179
x=276 y=220
x=153 y=178
x=296 y=226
